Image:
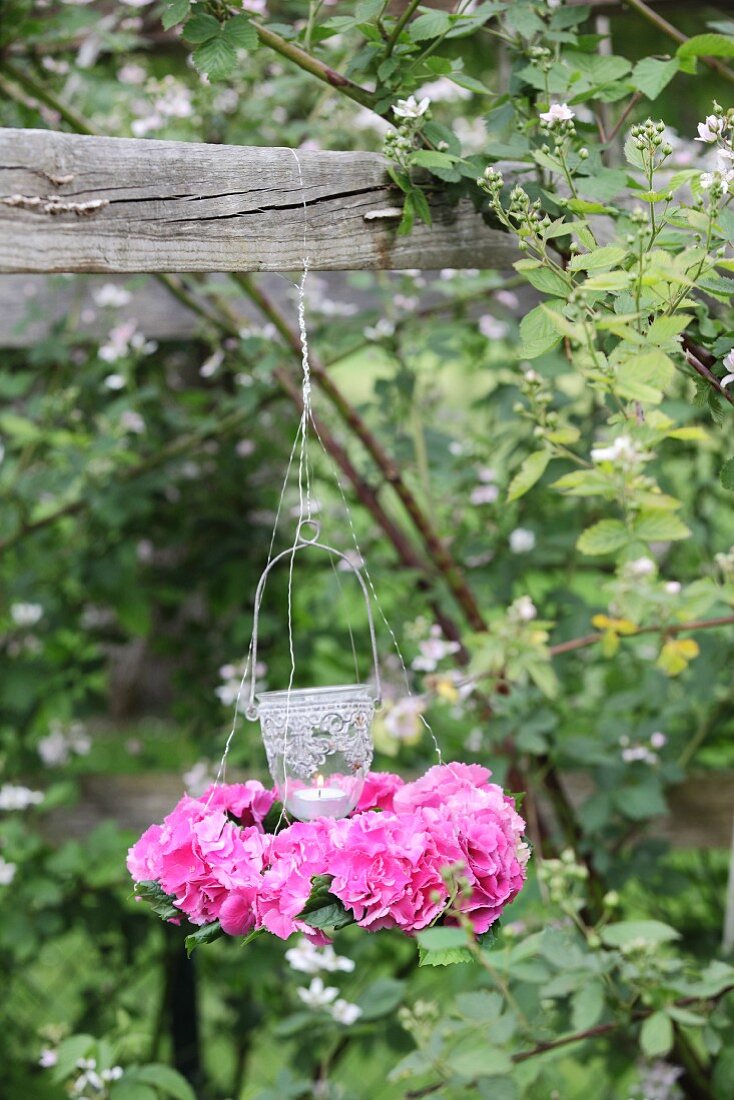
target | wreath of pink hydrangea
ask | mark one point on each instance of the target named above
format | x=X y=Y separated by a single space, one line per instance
x=394 y=863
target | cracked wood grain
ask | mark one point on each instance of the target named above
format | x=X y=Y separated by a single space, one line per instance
x=74 y=203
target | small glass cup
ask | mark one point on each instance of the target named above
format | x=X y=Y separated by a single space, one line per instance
x=319 y=747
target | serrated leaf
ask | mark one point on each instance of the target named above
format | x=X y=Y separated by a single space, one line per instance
x=587 y=1005
x=450 y=957
x=207 y=933
x=659 y=526
x=429 y=25
x=727 y=474
x=480 y=1060
x=628 y=932
x=665 y=329
x=531 y=470
x=240 y=32
x=584 y=483
x=330 y=916
x=421 y=207
x=166 y=1080
x=200 y=28
x=604 y=537
x=608 y=280
x=542 y=278
x=176 y=11
x=633 y=155
x=130 y=1088
x=442 y=947
x=656 y=1035
x=381 y=998
x=676 y=654
x=650 y=76
x=707 y=45
x=538 y=334
x=599 y=260
x=216 y=58
x=482 y=1006
x=160 y=902
x=646 y=377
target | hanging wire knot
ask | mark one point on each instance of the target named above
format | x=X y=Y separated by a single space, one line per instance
x=312 y=525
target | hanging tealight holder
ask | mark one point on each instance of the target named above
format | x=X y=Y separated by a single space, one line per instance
x=318 y=741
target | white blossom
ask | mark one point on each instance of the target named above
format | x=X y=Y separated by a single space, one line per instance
x=7 y=872
x=198 y=778
x=131 y=74
x=111 y=295
x=524 y=609
x=244 y=448
x=723 y=179
x=13 y=797
x=115 y=382
x=507 y=298
x=48 y=1058
x=307 y=958
x=63 y=742
x=622 y=451
x=26 y=614
x=382 y=330
x=557 y=112
x=433 y=650
x=114 y=1073
x=317 y=995
x=641 y=567
x=484 y=494
x=674 y=587
x=491 y=328
x=132 y=421
x=344 y=1012
x=522 y=540
x=658 y=740
x=403 y=720
x=211 y=365
x=711 y=129
x=410 y=107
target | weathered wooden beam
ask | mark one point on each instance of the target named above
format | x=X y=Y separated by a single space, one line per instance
x=72 y=203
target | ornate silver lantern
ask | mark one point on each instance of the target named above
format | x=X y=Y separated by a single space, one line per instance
x=318 y=741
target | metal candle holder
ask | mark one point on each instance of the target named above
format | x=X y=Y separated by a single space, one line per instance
x=318 y=741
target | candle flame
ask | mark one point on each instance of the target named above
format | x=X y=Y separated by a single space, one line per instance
x=319 y=782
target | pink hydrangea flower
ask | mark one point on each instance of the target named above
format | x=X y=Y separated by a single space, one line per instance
x=143 y=859
x=387 y=870
x=296 y=855
x=379 y=791
x=248 y=802
x=385 y=863
x=439 y=784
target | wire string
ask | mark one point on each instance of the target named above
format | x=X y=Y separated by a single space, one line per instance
x=305 y=515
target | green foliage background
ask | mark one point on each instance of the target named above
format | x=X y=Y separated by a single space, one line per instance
x=142 y=539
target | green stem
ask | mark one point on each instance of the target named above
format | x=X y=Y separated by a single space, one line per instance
x=397 y=29
x=38 y=91
x=667 y=28
x=312 y=65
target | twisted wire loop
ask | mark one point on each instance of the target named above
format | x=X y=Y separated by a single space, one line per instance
x=303 y=543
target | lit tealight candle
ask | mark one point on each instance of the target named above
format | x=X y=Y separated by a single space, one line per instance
x=319 y=801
